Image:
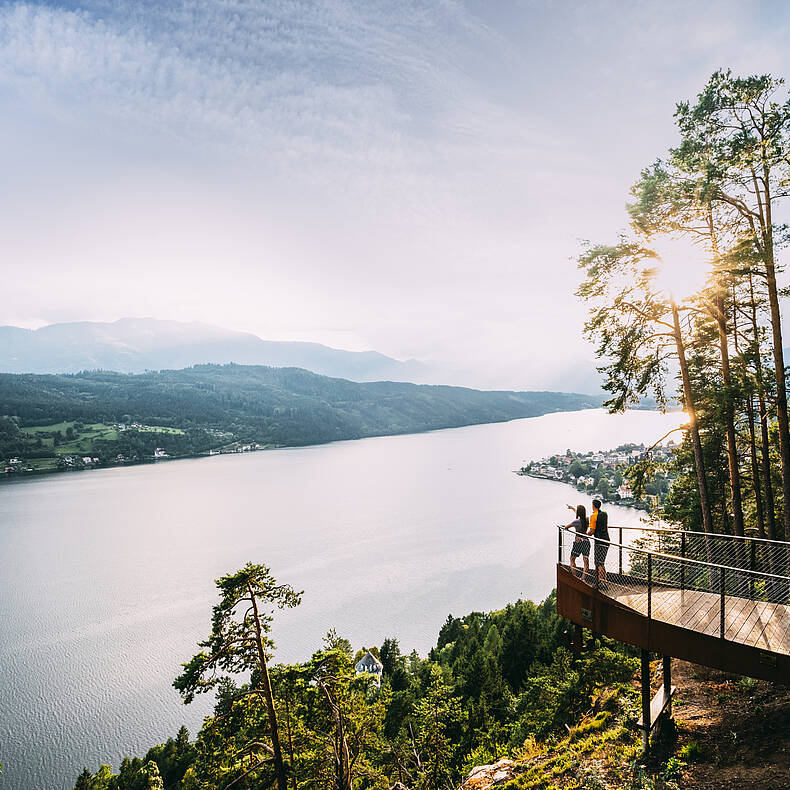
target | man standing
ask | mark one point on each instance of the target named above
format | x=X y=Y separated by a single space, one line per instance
x=599 y=528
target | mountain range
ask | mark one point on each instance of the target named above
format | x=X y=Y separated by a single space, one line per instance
x=134 y=345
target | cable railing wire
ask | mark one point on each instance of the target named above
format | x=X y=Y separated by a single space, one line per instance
x=747 y=552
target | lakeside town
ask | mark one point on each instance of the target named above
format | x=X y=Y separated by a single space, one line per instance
x=605 y=473
x=74 y=446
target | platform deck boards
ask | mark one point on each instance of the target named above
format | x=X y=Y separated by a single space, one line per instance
x=757 y=623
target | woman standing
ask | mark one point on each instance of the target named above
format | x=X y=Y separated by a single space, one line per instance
x=581 y=545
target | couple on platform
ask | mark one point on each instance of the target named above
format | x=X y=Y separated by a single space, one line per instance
x=597 y=527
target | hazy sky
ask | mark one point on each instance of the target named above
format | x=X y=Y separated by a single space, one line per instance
x=407 y=176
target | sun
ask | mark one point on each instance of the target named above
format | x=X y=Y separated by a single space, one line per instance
x=683 y=266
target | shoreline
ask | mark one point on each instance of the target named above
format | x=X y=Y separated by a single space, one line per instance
x=9 y=476
x=635 y=505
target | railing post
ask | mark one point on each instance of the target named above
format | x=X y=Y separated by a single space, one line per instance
x=559 y=545
x=620 y=552
x=721 y=602
x=683 y=561
x=649 y=585
x=667 y=667
x=752 y=564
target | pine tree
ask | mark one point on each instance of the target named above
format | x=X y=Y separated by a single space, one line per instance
x=239 y=642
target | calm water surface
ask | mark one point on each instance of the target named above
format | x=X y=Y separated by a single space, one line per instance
x=106 y=576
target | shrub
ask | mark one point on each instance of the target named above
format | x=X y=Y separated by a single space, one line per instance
x=690 y=752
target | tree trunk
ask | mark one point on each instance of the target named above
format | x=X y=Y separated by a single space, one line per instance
x=279 y=766
x=290 y=740
x=768 y=483
x=758 y=496
x=696 y=443
x=781 y=392
x=765 y=450
x=729 y=420
x=344 y=766
x=729 y=400
x=767 y=254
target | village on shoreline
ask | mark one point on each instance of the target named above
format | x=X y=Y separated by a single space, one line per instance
x=605 y=473
x=76 y=444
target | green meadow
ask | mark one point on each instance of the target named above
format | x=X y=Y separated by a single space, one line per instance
x=79 y=438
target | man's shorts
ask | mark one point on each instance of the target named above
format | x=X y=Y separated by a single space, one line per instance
x=601 y=550
x=580 y=546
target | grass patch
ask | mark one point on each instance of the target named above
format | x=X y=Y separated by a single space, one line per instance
x=42 y=464
x=83 y=439
x=600 y=738
x=32 y=430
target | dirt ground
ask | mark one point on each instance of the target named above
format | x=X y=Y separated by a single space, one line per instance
x=732 y=732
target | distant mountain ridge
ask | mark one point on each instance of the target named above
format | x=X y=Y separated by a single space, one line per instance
x=134 y=345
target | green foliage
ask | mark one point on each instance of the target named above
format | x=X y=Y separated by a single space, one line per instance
x=673 y=769
x=333 y=641
x=493 y=685
x=720 y=189
x=690 y=752
x=239 y=639
x=438 y=718
x=239 y=643
x=11 y=438
x=630 y=320
x=558 y=694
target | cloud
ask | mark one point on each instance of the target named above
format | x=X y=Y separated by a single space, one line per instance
x=408 y=176
x=289 y=80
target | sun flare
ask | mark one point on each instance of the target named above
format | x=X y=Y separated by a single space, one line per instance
x=682 y=266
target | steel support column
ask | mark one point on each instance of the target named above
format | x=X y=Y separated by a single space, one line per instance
x=646 y=701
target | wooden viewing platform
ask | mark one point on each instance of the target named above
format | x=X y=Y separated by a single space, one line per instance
x=729 y=611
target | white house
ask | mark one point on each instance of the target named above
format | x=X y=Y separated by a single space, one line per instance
x=625 y=491
x=371 y=665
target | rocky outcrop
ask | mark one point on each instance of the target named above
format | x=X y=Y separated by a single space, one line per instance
x=484 y=776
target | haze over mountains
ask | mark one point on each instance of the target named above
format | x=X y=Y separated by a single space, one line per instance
x=134 y=345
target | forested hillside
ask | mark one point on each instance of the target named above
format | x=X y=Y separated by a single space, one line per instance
x=500 y=701
x=495 y=684
x=212 y=406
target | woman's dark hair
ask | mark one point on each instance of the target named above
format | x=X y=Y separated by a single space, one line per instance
x=581 y=514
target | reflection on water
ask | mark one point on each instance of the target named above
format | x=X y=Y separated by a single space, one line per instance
x=107 y=575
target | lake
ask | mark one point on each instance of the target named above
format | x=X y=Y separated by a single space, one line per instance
x=106 y=577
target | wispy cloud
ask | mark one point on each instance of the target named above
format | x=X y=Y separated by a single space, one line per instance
x=359 y=84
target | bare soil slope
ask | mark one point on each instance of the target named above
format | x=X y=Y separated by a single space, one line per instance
x=741 y=728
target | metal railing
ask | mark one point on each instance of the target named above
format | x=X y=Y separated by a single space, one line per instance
x=665 y=574
x=747 y=552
